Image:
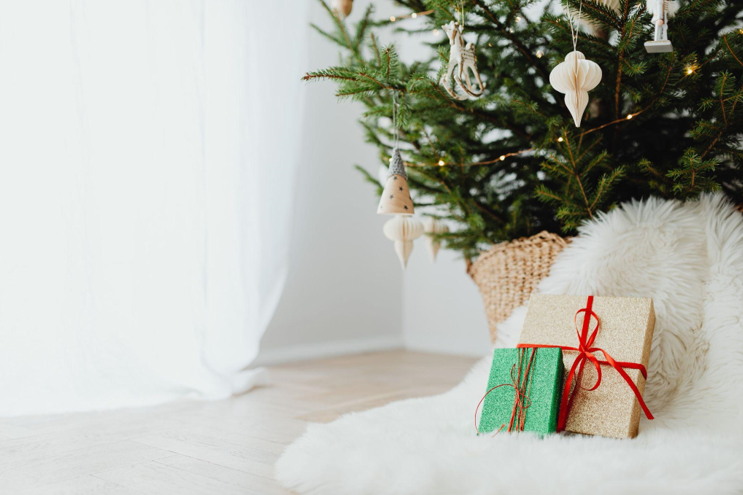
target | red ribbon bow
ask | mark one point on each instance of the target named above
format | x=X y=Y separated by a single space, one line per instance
x=586 y=351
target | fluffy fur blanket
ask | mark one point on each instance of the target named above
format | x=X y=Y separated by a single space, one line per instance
x=689 y=259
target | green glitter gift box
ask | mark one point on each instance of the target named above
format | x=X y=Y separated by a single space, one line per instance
x=523 y=391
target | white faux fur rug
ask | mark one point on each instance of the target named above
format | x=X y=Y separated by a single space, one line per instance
x=689 y=259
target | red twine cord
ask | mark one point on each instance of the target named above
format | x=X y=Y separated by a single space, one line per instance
x=586 y=351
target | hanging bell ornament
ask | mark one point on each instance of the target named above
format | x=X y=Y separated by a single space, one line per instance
x=662 y=10
x=575 y=77
x=342 y=7
x=395 y=198
x=433 y=226
x=403 y=230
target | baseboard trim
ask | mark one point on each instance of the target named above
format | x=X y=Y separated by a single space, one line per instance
x=279 y=355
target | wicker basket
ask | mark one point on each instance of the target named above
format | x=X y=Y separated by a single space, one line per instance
x=508 y=273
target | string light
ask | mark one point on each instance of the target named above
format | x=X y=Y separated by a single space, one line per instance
x=414 y=15
x=518 y=18
x=690 y=70
x=392 y=18
x=560 y=140
x=629 y=117
x=540 y=53
x=441 y=163
x=502 y=157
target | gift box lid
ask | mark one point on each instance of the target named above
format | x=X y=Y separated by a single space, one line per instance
x=626 y=324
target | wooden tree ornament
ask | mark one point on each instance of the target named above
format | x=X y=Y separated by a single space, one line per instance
x=662 y=10
x=462 y=62
x=395 y=198
x=342 y=7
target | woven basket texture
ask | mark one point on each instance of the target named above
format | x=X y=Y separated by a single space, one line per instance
x=508 y=273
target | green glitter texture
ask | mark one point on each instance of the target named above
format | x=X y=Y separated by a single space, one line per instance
x=546 y=388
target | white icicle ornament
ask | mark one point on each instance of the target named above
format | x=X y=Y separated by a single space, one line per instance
x=403 y=230
x=575 y=77
x=433 y=226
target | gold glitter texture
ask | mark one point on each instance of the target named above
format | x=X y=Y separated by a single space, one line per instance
x=626 y=333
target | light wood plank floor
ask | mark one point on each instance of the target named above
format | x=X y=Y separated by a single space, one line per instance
x=215 y=448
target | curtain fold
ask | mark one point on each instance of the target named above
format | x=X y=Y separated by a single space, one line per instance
x=147 y=158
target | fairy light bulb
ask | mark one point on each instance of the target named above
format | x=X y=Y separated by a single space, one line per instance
x=560 y=139
x=392 y=18
x=518 y=18
x=689 y=70
x=441 y=163
x=540 y=53
x=414 y=15
x=629 y=117
x=502 y=157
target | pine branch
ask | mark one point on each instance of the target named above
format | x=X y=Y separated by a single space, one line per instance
x=513 y=163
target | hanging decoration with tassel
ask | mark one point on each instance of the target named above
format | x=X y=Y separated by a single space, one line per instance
x=576 y=76
x=403 y=229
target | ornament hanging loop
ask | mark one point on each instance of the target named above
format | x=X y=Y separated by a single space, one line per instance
x=573 y=21
x=395 y=128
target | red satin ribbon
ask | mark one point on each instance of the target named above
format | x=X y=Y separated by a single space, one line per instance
x=586 y=351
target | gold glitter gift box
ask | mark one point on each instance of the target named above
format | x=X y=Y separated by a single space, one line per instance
x=625 y=332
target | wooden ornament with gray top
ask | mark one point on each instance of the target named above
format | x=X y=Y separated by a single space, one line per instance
x=396 y=198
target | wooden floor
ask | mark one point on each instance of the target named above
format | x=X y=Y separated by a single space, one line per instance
x=215 y=448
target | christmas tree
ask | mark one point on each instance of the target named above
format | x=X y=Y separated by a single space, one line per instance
x=512 y=162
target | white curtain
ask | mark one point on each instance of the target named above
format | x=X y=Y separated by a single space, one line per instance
x=147 y=156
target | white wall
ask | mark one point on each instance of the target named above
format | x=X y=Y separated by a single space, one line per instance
x=443 y=310
x=346 y=292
